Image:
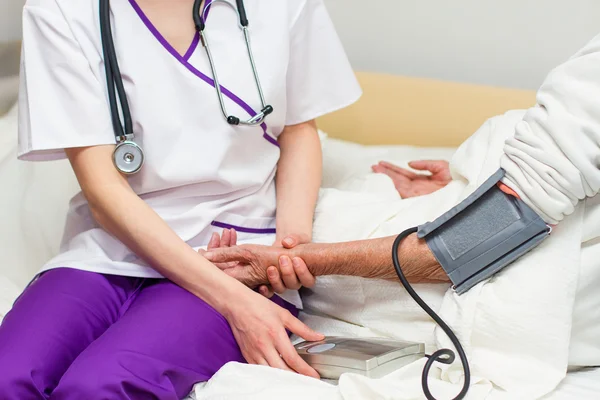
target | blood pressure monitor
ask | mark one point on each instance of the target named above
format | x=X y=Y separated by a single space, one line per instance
x=370 y=357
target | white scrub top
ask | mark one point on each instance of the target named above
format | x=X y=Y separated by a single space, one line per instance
x=201 y=174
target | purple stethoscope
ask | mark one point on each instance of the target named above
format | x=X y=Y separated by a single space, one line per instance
x=128 y=156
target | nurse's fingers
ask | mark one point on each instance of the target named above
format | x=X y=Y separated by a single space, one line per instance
x=287 y=273
x=294 y=361
x=274 y=359
x=217 y=242
x=275 y=280
x=266 y=291
x=258 y=361
x=298 y=327
x=225 y=238
x=306 y=278
x=289 y=353
x=294 y=240
x=233 y=238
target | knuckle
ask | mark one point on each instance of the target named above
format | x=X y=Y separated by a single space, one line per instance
x=294 y=361
x=286 y=316
x=246 y=253
x=309 y=283
x=272 y=332
x=261 y=345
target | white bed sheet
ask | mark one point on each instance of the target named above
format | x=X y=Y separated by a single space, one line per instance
x=344 y=160
x=578 y=385
x=348 y=162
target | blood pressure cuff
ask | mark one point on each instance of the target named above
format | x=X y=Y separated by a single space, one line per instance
x=483 y=234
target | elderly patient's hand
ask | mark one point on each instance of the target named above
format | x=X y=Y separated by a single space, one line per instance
x=255 y=265
x=409 y=184
x=228 y=238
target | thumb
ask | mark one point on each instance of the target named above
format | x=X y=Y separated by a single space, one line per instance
x=294 y=239
x=298 y=327
x=289 y=241
x=266 y=291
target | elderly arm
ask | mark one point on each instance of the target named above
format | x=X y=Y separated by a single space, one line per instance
x=364 y=258
x=372 y=259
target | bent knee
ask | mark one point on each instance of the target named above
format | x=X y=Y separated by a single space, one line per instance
x=117 y=376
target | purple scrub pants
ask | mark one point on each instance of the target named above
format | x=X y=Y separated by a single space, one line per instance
x=82 y=335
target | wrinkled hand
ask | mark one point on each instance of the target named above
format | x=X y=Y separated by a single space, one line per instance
x=253 y=261
x=409 y=184
x=228 y=238
x=246 y=263
x=259 y=327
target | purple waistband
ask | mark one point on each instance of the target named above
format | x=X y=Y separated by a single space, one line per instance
x=243 y=229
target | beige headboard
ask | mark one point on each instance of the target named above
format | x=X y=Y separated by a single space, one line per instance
x=420 y=112
x=392 y=110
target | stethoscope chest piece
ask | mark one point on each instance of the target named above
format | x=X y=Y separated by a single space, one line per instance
x=128 y=157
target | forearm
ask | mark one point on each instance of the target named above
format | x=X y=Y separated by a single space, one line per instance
x=135 y=224
x=373 y=259
x=298 y=179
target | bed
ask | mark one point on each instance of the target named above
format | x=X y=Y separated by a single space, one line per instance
x=391 y=122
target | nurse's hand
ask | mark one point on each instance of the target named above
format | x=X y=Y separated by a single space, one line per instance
x=259 y=327
x=409 y=184
x=292 y=273
x=292 y=240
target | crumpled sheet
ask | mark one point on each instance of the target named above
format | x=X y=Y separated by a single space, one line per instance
x=515 y=327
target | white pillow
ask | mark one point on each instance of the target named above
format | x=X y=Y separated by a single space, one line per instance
x=9 y=86
x=33 y=206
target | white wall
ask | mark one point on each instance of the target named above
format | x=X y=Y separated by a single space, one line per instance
x=10 y=19
x=498 y=42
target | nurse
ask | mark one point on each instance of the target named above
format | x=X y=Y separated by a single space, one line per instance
x=129 y=309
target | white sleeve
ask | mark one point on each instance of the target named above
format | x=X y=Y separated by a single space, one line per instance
x=62 y=104
x=319 y=77
x=553 y=161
